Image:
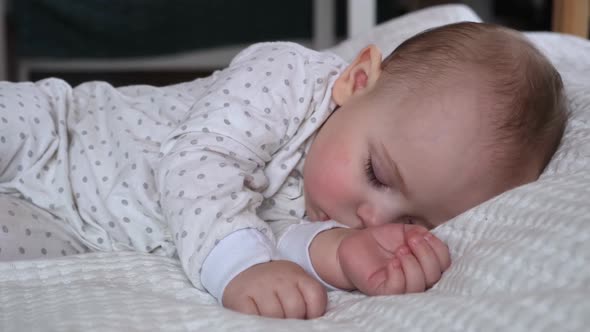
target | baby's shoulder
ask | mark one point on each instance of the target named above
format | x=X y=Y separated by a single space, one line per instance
x=277 y=52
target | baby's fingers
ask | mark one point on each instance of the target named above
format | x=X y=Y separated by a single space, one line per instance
x=247 y=305
x=314 y=296
x=414 y=275
x=292 y=302
x=440 y=249
x=269 y=305
x=427 y=259
x=387 y=280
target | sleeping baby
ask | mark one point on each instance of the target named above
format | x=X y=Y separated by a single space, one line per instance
x=289 y=172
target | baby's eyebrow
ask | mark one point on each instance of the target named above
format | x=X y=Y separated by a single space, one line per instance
x=394 y=170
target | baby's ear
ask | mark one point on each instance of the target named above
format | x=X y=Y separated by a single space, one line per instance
x=360 y=76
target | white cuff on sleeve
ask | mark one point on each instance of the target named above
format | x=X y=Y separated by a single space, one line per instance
x=233 y=254
x=295 y=242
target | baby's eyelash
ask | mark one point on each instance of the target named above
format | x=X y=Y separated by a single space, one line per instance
x=370 y=171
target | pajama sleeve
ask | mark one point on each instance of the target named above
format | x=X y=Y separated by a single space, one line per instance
x=211 y=175
x=294 y=243
x=246 y=247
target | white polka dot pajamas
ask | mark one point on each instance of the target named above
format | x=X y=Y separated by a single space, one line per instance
x=33 y=218
x=170 y=170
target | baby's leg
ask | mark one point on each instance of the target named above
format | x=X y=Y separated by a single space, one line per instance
x=28 y=137
x=29 y=143
x=28 y=232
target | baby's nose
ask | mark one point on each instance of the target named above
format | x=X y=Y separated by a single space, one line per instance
x=369 y=216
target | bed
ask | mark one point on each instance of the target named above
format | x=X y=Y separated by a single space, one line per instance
x=521 y=261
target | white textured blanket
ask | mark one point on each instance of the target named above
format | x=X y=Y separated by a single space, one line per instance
x=521 y=262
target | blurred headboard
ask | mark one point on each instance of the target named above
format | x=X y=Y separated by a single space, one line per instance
x=571 y=16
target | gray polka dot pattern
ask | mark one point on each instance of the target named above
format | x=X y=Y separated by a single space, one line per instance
x=173 y=169
x=247 y=137
x=28 y=232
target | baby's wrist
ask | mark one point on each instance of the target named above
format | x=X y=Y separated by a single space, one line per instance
x=323 y=252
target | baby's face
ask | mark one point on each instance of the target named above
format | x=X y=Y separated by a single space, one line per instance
x=420 y=160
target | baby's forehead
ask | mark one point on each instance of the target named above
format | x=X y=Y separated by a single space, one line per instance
x=452 y=88
x=447 y=115
x=425 y=80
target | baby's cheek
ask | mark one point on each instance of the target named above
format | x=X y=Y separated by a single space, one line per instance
x=334 y=182
x=329 y=180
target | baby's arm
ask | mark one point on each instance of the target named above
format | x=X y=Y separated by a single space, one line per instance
x=295 y=242
x=242 y=272
x=212 y=169
x=323 y=252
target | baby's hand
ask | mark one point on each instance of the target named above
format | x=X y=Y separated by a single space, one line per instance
x=393 y=259
x=278 y=289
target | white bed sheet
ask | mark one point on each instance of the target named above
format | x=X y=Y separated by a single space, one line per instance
x=521 y=262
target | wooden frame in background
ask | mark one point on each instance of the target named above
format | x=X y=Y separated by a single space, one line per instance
x=571 y=16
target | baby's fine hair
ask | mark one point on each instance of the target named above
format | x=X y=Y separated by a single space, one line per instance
x=529 y=109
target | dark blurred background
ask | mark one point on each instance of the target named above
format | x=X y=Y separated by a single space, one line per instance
x=130 y=41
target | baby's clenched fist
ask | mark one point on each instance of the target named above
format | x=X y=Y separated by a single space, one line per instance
x=393 y=259
x=278 y=289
